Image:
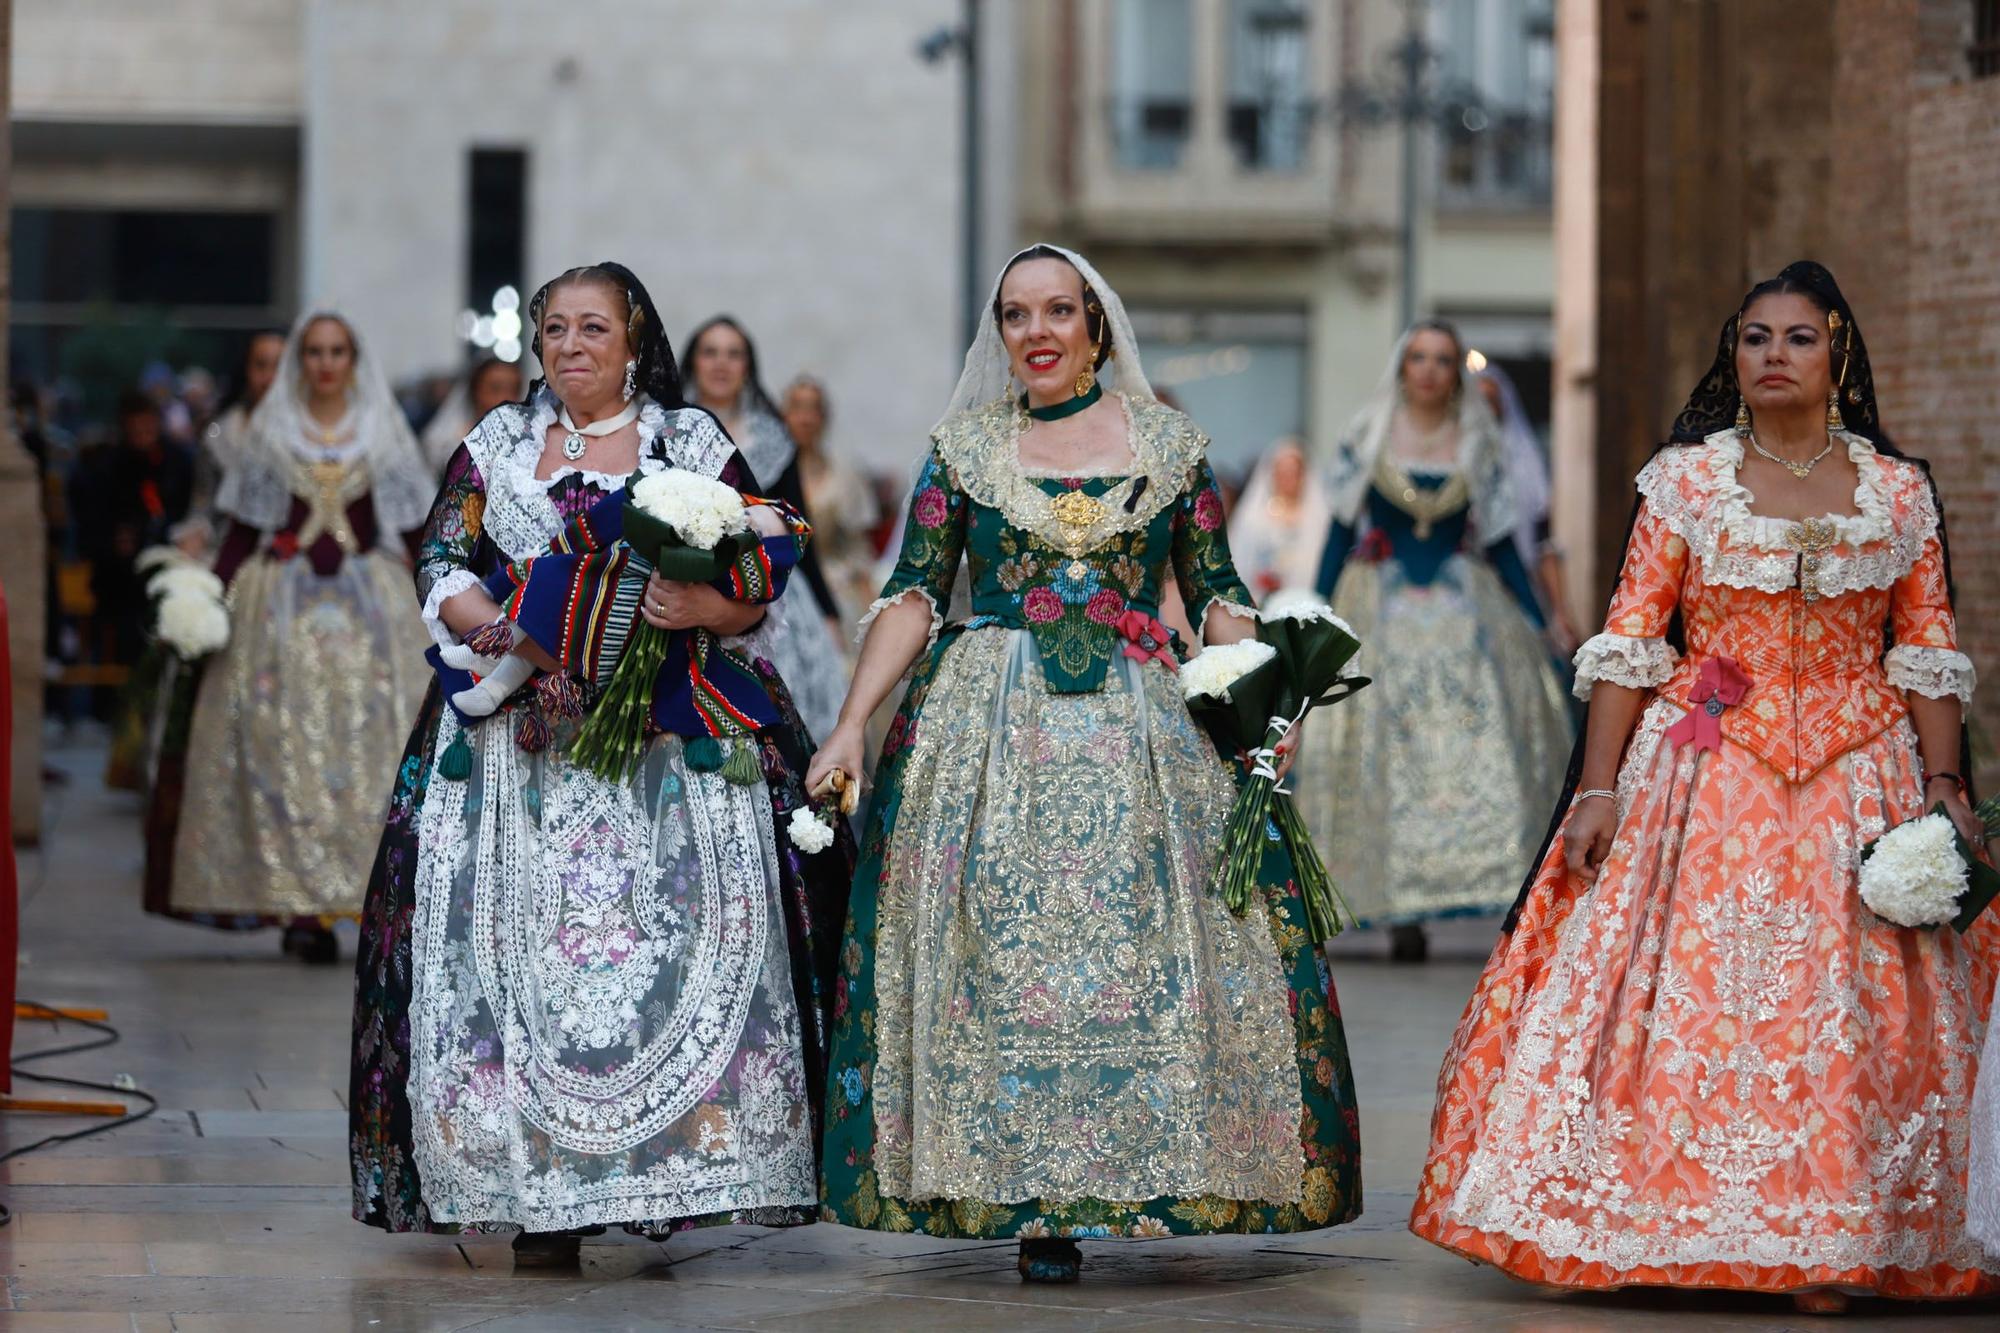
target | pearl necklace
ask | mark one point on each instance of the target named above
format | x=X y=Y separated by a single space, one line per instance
x=579 y=437
x=1799 y=470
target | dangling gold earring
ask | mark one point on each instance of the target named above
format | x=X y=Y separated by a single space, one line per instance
x=1835 y=324
x=1742 y=416
x=1086 y=379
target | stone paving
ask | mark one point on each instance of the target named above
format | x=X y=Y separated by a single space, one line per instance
x=228 y=1210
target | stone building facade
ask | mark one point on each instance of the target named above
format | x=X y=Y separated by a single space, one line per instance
x=793 y=162
x=1737 y=135
x=1207 y=155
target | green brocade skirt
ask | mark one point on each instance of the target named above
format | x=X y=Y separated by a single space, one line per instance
x=989 y=710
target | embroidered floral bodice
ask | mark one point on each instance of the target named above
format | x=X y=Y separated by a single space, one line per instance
x=1064 y=557
x=1802 y=606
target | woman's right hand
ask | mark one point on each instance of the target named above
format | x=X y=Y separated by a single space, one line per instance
x=845 y=749
x=1587 y=837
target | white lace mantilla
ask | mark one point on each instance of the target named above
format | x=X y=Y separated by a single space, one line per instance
x=1695 y=492
x=1639 y=664
x=519 y=516
x=1935 y=673
x=507 y=446
x=981 y=448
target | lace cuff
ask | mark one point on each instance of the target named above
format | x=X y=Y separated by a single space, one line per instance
x=1935 y=673
x=1638 y=664
x=882 y=604
x=1237 y=609
x=447 y=587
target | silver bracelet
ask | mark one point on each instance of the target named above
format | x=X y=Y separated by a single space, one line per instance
x=1593 y=791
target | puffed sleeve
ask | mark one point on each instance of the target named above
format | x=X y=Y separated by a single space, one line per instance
x=1202 y=564
x=933 y=544
x=1924 y=657
x=1633 y=650
x=443 y=564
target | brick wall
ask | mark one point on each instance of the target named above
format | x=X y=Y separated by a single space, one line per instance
x=1858 y=141
x=1947 y=405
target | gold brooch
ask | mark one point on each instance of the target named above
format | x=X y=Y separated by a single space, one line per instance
x=1811 y=538
x=1076 y=511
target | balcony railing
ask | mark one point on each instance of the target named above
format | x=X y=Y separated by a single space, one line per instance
x=1271 y=136
x=1151 y=133
x=1507 y=162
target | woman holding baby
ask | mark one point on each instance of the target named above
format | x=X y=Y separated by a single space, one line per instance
x=586 y=1001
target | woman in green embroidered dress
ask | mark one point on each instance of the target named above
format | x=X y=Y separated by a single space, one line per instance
x=1046 y=1024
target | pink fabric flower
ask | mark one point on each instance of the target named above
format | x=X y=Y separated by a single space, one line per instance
x=1041 y=605
x=930 y=508
x=1105 y=607
x=1146 y=639
x=1208 y=510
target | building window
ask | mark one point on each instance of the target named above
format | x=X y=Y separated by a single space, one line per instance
x=1241 y=373
x=160 y=258
x=101 y=294
x=1985 y=52
x=496 y=225
x=1270 y=111
x=1152 y=82
x=496 y=251
x=1499 y=57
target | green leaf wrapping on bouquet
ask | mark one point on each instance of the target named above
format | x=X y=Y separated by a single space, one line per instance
x=672 y=558
x=1313 y=653
x=1982 y=880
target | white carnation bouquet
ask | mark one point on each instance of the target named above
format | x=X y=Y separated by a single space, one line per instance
x=690 y=528
x=701 y=512
x=1922 y=873
x=1251 y=695
x=190 y=615
x=1208 y=676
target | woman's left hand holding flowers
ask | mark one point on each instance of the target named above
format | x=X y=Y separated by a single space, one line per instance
x=1944 y=791
x=670 y=605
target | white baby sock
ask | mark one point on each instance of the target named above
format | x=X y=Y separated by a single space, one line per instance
x=510 y=673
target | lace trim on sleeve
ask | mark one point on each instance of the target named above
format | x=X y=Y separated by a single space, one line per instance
x=447 y=587
x=1236 y=609
x=1639 y=664
x=881 y=604
x=1935 y=673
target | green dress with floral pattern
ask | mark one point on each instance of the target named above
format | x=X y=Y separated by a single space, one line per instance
x=1045 y=1022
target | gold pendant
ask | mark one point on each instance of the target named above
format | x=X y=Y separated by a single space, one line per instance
x=1076 y=511
x=1811 y=538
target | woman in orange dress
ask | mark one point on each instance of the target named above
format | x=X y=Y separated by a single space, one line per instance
x=1695 y=1059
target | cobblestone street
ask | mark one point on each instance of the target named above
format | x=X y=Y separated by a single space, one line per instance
x=228 y=1210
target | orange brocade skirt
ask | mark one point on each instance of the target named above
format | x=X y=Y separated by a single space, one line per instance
x=1715 y=1067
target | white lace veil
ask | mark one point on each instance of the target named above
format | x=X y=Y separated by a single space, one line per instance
x=989 y=372
x=1292 y=551
x=1527 y=465
x=259 y=490
x=1350 y=465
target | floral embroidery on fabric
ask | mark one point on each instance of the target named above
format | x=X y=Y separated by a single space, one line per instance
x=1044 y=1023
x=1822 y=681
x=1713 y=1067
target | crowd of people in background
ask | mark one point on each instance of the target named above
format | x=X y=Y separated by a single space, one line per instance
x=147 y=474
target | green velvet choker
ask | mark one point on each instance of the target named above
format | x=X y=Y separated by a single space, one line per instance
x=1064 y=409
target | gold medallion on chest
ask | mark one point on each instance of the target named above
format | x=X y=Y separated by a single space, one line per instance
x=1077 y=513
x=1812 y=538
